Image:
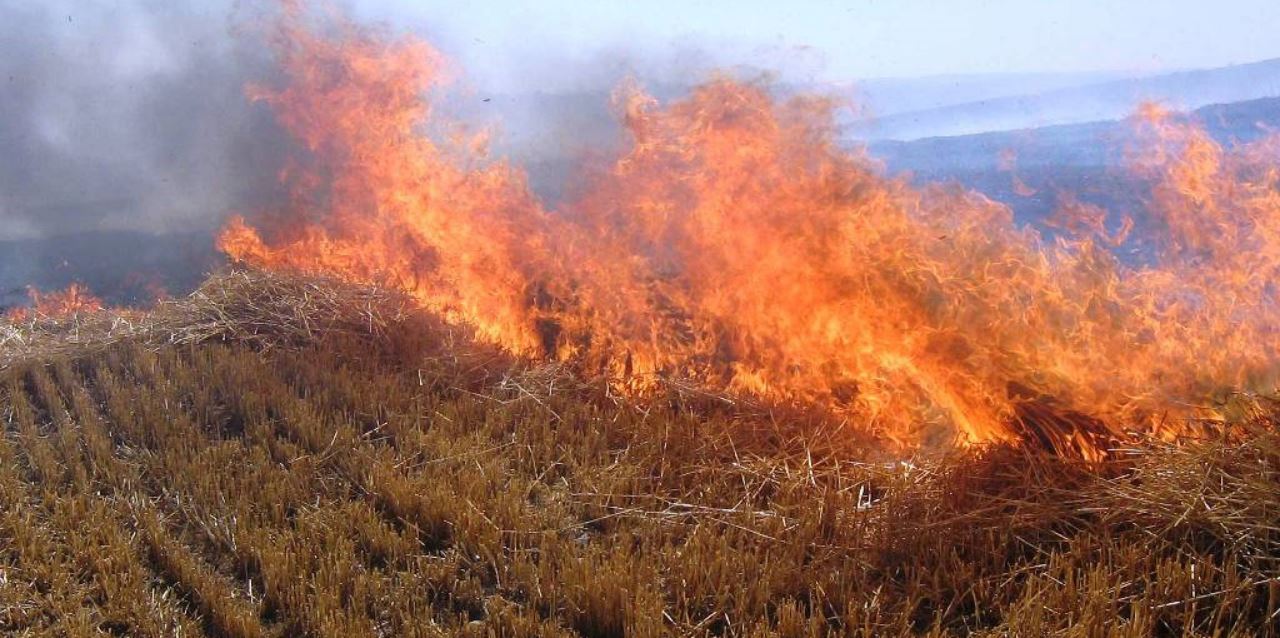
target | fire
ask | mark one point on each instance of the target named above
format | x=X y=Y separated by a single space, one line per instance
x=74 y=299
x=735 y=242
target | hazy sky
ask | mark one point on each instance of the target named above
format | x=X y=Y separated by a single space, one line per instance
x=839 y=40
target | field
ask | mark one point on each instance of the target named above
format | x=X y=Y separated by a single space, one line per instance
x=278 y=457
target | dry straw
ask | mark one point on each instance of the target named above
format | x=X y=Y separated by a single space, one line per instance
x=283 y=474
x=251 y=306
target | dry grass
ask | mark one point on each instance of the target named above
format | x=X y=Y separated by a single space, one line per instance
x=278 y=456
x=258 y=308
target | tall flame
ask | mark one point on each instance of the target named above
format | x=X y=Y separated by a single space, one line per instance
x=735 y=242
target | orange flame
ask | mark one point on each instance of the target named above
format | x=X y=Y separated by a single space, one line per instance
x=74 y=299
x=736 y=243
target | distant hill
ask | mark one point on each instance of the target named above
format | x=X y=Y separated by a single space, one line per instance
x=1028 y=168
x=883 y=97
x=1088 y=143
x=1064 y=145
x=1101 y=101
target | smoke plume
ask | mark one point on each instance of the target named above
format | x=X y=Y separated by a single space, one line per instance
x=128 y=116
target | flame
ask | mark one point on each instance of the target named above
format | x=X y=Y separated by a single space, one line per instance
x=735 y=242
x=74 y=299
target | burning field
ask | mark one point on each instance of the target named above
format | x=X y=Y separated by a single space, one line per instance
x=280 y=455
x=735 y=244
x=738 y=381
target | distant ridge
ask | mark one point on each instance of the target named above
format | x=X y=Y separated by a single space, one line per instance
x=1028 y=168
x=1093 y=102
x=1081 y=144
x=889 y=96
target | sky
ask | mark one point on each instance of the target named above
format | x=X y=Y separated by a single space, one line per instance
x=852 y=39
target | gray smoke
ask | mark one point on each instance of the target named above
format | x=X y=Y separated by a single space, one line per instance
x=126 y=137
x=129 y=115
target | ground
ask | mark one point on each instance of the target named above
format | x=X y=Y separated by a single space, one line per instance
x=397 y=480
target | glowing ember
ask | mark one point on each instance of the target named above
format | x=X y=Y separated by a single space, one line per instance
x=736 y=243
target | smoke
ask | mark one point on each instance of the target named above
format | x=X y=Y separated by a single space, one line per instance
x=129 y=115
x=126 y=137
x=548 y=111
